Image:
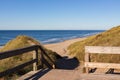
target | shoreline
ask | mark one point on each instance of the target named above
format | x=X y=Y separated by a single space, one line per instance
x=61 y=47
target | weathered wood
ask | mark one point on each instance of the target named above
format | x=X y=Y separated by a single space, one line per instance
x=11 y=53
x=35 y=56
x=53 y=66
x=35 y=48
x=9 y=71
x=102 y=65
x=41 y=59
x=87 y=57
x=47 y=63
x=101 y=49
x=45 y=53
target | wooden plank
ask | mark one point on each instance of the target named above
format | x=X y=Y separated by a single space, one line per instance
x=45 y=53
x=35 y=56
x=47 y=64
x=101 y=49
x=102 y=65
x=87 y=59
x=35 y=48
x=11 y=53
x=41 y=59
x=9 y=71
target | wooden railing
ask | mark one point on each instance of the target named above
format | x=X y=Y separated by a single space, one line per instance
x=43 y=54
x=102 y=50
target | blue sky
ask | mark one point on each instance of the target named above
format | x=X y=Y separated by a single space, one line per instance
x=59 y=14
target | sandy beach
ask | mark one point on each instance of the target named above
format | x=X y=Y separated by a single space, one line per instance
x=61 y=47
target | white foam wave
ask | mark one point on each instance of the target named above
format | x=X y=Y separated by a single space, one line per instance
x=90 y=34
x=52 y=40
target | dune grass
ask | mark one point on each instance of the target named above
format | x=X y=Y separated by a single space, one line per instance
x=20 y=42
x=107 y=38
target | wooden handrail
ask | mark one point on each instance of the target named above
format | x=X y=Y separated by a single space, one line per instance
x=35 y=48
x=9 y=71
x=45 y=53
x=11 y=53
x=100 y=50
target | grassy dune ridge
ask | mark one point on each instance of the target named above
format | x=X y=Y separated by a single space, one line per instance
x=20 y=42
x=108 y=38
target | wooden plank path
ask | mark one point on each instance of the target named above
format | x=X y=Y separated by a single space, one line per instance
x=59 y=74
x=69 y=73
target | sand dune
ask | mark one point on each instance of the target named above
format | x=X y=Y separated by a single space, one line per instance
x=61 y=47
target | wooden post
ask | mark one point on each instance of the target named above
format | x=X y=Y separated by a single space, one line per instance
x=41 y=59
x=87 y=56
x=53 y=66
x=35 y=56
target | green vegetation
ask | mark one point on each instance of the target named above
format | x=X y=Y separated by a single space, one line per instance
x=107 y=38
x=20 y=42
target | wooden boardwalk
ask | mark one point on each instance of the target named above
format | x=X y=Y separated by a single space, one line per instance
x=67 y=68
x=59 y=74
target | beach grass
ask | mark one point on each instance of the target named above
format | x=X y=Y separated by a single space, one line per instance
x=108 y=38
x=20 y=42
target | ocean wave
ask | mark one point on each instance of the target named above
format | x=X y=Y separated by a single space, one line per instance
x=89 y=34
x=71 y=37
x=55 y=40
x=52 y=40
x=47 y=37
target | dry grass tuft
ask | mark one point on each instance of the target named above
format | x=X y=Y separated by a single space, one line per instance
x=107 y=38
x=20 y=42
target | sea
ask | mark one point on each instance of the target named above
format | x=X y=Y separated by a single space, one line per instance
x=46 y=36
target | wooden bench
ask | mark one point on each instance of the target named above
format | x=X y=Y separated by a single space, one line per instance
x=103 y=50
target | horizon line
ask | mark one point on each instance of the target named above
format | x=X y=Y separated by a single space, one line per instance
x=48 y=30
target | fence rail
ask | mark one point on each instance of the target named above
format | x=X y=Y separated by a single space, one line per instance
x=100 y=50
x=7 y=54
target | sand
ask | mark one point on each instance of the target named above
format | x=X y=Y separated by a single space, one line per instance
x=61 y=47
